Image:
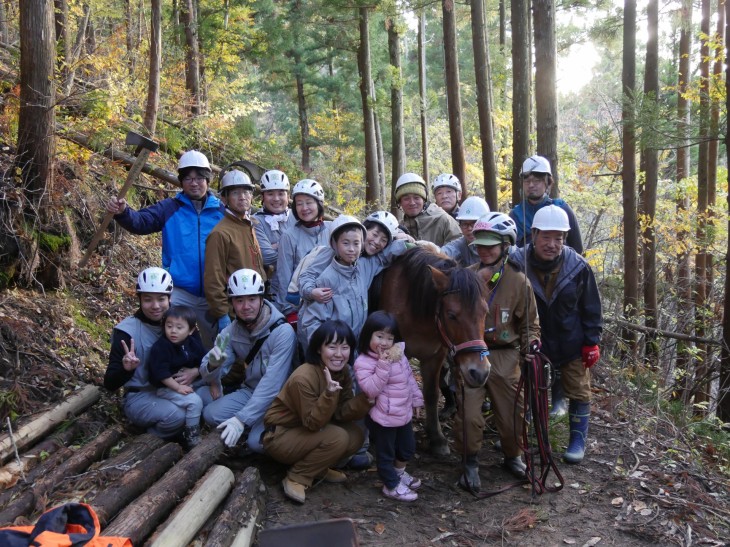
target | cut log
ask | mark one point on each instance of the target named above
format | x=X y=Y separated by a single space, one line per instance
x=31 y=432
x=135 y=482
x=13 y=495
x=236 y=525
x=77 y=463
x=13 y=471
x=138 y=520
x=189 y=517
x=128 y=458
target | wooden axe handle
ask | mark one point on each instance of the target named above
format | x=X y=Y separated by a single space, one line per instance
x=131 y=179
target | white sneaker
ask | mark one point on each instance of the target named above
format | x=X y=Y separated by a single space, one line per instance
x=410 y=481
x=401 y=493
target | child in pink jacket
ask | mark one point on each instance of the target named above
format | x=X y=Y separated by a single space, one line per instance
x=384 y=375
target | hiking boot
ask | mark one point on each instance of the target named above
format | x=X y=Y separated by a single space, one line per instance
x=401 y=493
x=334 y=476
x=293 y=490
x=409 y=480
x=191 y=436
x=515 y=466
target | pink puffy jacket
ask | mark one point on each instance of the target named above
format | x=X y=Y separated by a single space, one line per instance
x=393 y=387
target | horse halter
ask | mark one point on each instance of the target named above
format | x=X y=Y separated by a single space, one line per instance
x=471 y=346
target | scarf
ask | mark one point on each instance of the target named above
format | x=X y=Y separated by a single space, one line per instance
x=274 y=220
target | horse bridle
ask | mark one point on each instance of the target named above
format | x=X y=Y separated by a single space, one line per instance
x=471 y=346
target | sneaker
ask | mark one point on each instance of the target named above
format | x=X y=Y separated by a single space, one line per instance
x=334 y=476
x=401 y=493
x=410 y=481
x=293 y=490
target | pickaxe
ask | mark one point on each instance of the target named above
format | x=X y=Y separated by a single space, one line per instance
x=145 y=147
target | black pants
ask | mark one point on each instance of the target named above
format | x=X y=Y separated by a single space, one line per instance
x=391 y=443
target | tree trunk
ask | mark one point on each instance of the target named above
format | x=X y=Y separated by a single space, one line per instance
x=63 y=51
x=302 y=112
x=36 y=119
x=422 y=82
x=371 y=153
x=483 y=72
x=396 y=101
x=628 y=80
x=723 y=404
x=70 y=75
x=520 y=94
x=188 y=18
x=129 y=23
x=4 y=37
x=382 y=186
x=648 y=191
x=684 y=281
x=153 y=85
x=453 y=95
x=242 y=511
x=546 y=98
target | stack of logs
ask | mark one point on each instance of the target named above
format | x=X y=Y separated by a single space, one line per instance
x=149 y=491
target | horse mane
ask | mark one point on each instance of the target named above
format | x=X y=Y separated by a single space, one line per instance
x=423 y=300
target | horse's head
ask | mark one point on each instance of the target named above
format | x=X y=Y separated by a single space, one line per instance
x=460 y=316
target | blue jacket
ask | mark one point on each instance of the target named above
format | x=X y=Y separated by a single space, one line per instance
x=572 y=318
x=523 y=214
x=184 y=231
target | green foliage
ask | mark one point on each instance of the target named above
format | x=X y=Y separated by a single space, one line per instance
x=9 y=404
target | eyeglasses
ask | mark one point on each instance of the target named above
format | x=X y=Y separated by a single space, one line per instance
x=240 y=192
x=194 y=180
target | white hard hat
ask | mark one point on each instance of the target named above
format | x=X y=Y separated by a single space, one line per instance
x=245 y=282
x=551 y=217
x=385 y=219
x=407 y=178
x=193 y=158
x=274 y=180
x=448 y=180
x=493 y=229
x=536 y=164
x=310 y=187
x=234 y=179
x=342 y=222
x=473 y=208
x=154 y=280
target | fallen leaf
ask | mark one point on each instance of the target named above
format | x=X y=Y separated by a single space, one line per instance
x=442 y=529
x=591 y=542
x=639 y=505
x=569 y=541
x=645 y=512
x=379 y=528
x=617 y=502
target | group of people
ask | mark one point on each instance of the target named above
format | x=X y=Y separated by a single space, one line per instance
x=259 y=322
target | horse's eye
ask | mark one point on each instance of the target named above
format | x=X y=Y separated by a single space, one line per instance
x=451 y=316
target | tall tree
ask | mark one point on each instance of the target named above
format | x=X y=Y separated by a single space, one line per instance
x=189 y=20
x=628 y=80
x=482 y=69
x=63 y=52
x=372 y=192
x=723 y=405
x=453 y=95
x=396 y=100
x=520 y=93
x=153 y=83
x=422 y=90
x=648 y=191
x=546 y=97
x=302 y=108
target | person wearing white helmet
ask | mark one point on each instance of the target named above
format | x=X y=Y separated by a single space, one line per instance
x=537 y=178
x=446 y=190
x=231 y=245
x=249 y=363
x=571 y=318
x=309 y=231
x=461 y=249
x=512 y=330
x=275 y=216
x=128 y=366
x=185 y=221
x=423 y=220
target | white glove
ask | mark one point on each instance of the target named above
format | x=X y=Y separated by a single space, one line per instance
x=232 y=431
x=218 y=354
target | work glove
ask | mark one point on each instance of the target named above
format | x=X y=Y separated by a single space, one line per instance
x=232 y=430
x=223 y=322
x=218 y=355
x=590 y=354
x=292 y=318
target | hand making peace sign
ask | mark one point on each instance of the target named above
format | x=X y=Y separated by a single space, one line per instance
x=130 y=361
x=332 y=386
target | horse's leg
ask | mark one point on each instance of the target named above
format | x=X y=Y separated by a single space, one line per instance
x=430 y=373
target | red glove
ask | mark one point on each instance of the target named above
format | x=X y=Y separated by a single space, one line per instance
x=591 y=354
x=292 y=318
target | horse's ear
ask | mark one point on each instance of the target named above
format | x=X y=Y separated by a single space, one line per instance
x=440 y=279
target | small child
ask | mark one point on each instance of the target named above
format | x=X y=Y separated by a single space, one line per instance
x=179 y=347
x=384 y=374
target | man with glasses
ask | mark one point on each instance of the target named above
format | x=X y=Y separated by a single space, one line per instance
x=537 y=178
x=231 y=246
x=185 y=222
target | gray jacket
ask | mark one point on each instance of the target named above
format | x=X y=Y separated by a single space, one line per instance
x=269 y=230
x=464 y=254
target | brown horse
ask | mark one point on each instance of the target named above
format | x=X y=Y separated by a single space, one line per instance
x=440 y=309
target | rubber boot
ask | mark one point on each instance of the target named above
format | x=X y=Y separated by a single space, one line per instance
x=560 y=405
x=470 y=480
x=191 y=436
x=579 y=414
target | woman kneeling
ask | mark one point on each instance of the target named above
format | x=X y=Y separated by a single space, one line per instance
x=310 y=423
